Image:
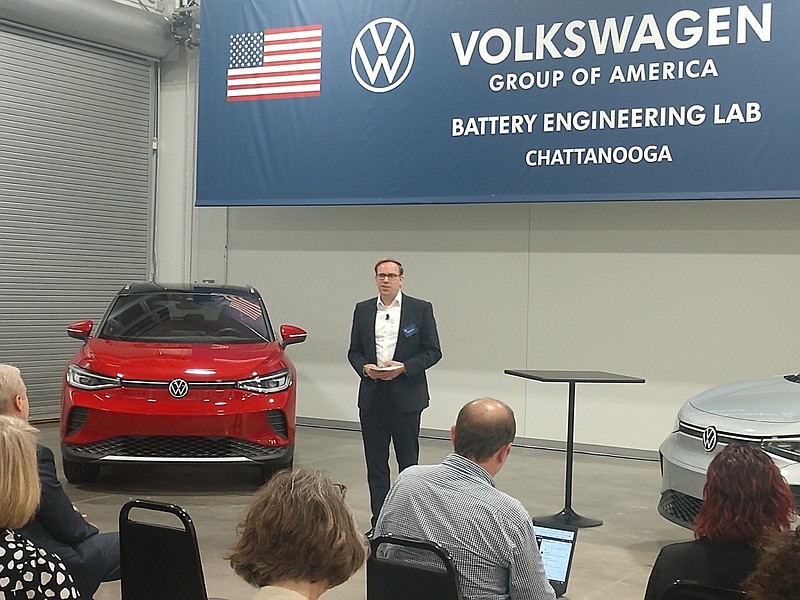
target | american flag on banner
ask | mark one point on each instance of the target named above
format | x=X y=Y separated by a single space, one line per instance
x=276 y=63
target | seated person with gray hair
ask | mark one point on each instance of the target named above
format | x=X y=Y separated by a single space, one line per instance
x=91 y=557
x=488 y=534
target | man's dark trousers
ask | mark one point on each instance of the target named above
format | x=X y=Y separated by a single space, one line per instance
x=379 y=426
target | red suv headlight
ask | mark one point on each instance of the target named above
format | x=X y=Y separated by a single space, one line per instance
x=86 y=380
x=267 y=384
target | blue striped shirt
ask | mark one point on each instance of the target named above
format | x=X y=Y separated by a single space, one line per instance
x=488 y=533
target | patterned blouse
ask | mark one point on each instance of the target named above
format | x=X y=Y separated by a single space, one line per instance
x=30 y=573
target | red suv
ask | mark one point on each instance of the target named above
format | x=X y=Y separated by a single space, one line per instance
x=190 y=373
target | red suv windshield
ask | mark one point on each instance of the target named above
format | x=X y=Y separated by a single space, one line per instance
x=186 y=317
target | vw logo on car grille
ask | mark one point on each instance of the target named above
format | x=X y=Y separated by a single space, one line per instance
x=710 y=438
x=179 y=388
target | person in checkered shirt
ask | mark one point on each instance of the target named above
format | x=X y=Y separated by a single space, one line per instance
x=488 y=534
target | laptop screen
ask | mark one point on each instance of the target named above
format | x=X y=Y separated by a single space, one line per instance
x=557 y=546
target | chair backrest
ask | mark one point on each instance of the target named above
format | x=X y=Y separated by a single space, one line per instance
x=692 y=590
x=159 y=561
x=393 y=578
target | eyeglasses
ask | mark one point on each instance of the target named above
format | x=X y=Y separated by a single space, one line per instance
x=389 y=276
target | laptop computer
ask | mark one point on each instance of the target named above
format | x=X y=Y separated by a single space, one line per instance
x=557 y=547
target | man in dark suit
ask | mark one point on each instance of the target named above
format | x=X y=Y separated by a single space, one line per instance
x=91 y=557
x=392 y=342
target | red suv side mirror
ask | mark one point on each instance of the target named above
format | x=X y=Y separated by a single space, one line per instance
x=80 y=330
x=292 y=335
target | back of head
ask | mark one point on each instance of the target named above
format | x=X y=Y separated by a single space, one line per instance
x=19 y=475
x=10 y=385
x=777 y=575
x=744 y=495
x=298 y=528
x=483 y=427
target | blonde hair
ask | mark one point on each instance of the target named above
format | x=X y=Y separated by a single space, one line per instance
x=19 y=474
x=10 y=387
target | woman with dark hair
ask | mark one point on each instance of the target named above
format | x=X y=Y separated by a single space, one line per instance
x=745 y=496
x=298 y=539
x=777 y=575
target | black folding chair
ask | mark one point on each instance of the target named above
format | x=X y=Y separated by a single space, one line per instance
x=159 y=561
x=425 y=571
x=692 y=590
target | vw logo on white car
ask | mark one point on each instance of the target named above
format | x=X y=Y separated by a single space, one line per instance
x=710 y=438
x=178 y=388
x=382 y=55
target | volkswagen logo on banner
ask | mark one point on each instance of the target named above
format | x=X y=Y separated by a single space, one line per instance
x=382 y=55
x=710 y=438
x=178 y=388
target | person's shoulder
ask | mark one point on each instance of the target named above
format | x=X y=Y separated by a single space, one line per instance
x=9 y=536
x=509 y=508
x=418 y=302
x=417 y=471
x=367 y=303
x=44 y=453
x=682 y=548
x=416 y=476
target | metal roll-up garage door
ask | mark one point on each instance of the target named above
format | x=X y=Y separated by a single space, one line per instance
x=76 y=130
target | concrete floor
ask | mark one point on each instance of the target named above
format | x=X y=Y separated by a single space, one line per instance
x=611 y=561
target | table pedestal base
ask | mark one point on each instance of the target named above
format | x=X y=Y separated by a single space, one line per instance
x=567 y=517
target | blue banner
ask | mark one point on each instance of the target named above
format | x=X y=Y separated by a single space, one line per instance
x=306 y=102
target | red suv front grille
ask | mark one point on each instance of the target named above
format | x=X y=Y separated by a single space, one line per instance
x=176 y=447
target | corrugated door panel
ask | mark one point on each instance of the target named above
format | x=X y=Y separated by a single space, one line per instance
x=75 y=204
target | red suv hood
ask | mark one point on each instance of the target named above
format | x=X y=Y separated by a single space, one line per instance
x=192 y=362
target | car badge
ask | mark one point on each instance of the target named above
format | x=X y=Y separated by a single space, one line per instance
x=710 y=438
x=178 y=388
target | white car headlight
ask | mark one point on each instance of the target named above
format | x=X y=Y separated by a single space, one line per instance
x=267 y=384
x=86 y=380
x=788 y=449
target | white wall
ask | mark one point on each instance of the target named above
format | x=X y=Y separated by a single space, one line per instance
x=174 y=208
x=684 y=294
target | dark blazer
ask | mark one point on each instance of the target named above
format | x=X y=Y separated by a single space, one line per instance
x=417 y=348
x=58 y=527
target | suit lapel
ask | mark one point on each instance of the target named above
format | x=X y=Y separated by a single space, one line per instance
x=370 y=341
x=405 y=318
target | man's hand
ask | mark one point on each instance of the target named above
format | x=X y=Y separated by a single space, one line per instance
x=374 y=372
x=85 y=518
x=389 y=375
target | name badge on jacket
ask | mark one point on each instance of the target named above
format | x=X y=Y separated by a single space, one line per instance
x=409 y=330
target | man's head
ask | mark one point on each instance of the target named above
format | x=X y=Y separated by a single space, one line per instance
x=484 y=431
x=13 y=393
x=388 y=278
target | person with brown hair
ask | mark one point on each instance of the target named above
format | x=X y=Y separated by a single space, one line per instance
x=745 y=496
x=777 y=574
x=26 y=571
x=298 y=538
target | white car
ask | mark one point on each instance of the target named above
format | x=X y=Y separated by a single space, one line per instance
x=759 y=411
